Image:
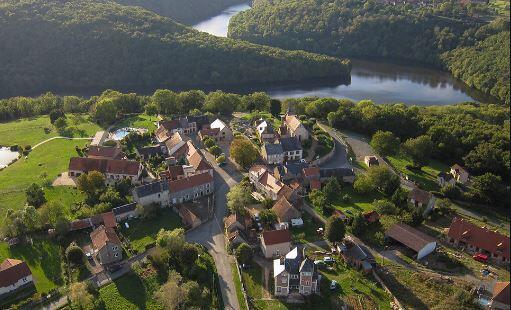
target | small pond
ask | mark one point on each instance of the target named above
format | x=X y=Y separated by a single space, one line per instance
x=7 y=156
x=121 y=133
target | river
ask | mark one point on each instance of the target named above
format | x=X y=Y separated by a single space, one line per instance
x=377 y=81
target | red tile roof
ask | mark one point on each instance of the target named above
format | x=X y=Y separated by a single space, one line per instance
x=409 y=236
x=501 y=292
x=198 y=162
x=310 y=172
x=276 y=236
x=12 y=270
x=105 y=152
x=285 y=211
x=371 y=216
x=480 y=237
x=80 y=224
x=315 y=184
x=102 y=235
x=173 y=172
x=192 y=181
x=212 y=132
x=109 y=219
x=113 y=166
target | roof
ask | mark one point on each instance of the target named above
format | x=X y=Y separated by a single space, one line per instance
x=188 y=217
x=170 y=124
x=459 y=168
x=315 y=184
x=352 y=250
x=130 y=207
x=102 y=235
x=480 y=237
x=149 y=150
x=258 y=169
x=273 y=149
x=111 y=152
x=218 y=124
x=98 y=138
x=198 y=119
x=371 y=159
x=420 y=195
x=162 y=134
x=284 y=210
x=198 y=161
x=80 y=224
x=209 y=132
x=292 y=122
x=276 y=236
x=311 y=172
x=307 y=265
x=371 y=216
x=236 y=217
x=409 y=236
x=173 y=172
x=290 y=144
x=108 y=219
x=114 y=166
x=176 y=140
x=151 y=188
x=190 y=182
x=294 y=167
x=12 y=270
x=336 y=172
x=501 y=292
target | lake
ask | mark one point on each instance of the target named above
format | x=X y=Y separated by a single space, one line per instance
x=377 y=81
x=7 y=156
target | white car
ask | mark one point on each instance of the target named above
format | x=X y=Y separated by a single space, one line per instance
x=328 y=259
x=333 y=285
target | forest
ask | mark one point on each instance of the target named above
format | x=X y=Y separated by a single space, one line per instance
x=433 y=36
x=80 y=44
x=187 y=12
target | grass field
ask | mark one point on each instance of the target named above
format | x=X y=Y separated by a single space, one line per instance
x=43 y=259
x=128 y=292
x=51 y=158
x=426 y=177
x=237 y=285
x=501 y=6
x=253 y=281
x=306 y=233
x=143 y=231
x=30 y=131
x=138 y=121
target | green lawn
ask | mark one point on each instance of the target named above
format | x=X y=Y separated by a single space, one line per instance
x=138 y=121
x=143 y=231
x=253 y=281
x=237 y=285
x=265 y=115
x=51 y=158
x=128 y=292
x=306 y=233
x=30 y=131
x=43 y=259
x=426 y=177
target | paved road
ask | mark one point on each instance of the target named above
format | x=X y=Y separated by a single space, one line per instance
x=340 y=158
x=210 y=234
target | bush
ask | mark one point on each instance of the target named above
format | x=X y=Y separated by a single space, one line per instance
x=451 y=192
x=74 y=254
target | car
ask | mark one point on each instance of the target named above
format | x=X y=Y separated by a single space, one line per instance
x=480 y=257
x=259 y=226
x=222 y=164
x=114 y=268
x=257 y=218
x=328 y=259
x=333 y=285
x=88 y=255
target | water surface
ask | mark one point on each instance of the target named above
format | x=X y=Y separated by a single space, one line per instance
x=217 y=25
x=7 y=156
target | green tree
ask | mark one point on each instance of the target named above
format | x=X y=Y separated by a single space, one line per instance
x=31 y=218
x=189 y=254
x=419 y=149
x=358 y=225
x=105 y=111
x=488 y=188
x=258 y=101
x=318 y=199
x=268 y=217
x=385 y=143
x=220 y=102
x=166 y=101
x=91 y=184
x=244 y=253
x=239 y=197
x=275 y=107
x=80 y=296
x=221 y=159
x=172 y=240
x=112 y=198
x=74 y=254
x=384 y=179
x=60 y=124
x=385 y=207
x=363 y=184
x=56 y=114
x=215 y=150
x=335 y=229
x=243 y=152
x=332 y=189
x=35 y=195
x=172 y=294
x=209 y=142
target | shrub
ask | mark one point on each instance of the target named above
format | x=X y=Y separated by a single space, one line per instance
x=74 y=254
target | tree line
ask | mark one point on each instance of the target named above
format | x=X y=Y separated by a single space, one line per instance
x=446 y=35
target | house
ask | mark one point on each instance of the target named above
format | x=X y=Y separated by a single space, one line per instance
x=501 y=296
x=412 y=238
x=125 y=212
x=422 y=199
x=172 y=173
x=113 y=169
x=347 y=175
x=198 y=163
x=188 y=217
x=371 y=216
x=371 y=161
x=237 y=237
x=475 y=239
x=155 y=192
x=224 y=132
x=183 y=125
x=14 y=275
x=106 y=244
x=108 y=152
x=209 y=132
x=190 y=188
x=295 y=128
x=99 y=138
x=147 y=152
x=178 y=146
x=107 y=219
x=460 y=174
x=237 y=221
x=265 y=182
x=275 y=242
x=444 y=179
x=310 y=173
x=353 y=255
x=295 y=272
x=273 y=154
x=265 y=131
x=290 y=171
x=292 y=148
x=285 y=211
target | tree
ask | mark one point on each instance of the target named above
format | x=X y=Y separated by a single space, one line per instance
x=166 y=101
x=105 y=111
x=238 y=197
x=221 y=159
x=275 y=107
x=258 y=101
x=268 y=217
x=112 y=198
x=35 y=195
x=363 y=184
x=358 y=224
x=332 y=189
x=62 y=225
x=171 y=294
x=60 y=124
x=220 y=102
x=385 y=143
x=56 y=114
x=74 y=254
x=243 y=152
x=419 y=149
x=173 y=240
x=208 y=142
x=91 y=184
x=385 y=207
x=215 y=150
x=80 y=296
x=384 y=179
x=318 y=199
x=51 y=212
x=189 y=254
x=400 y=198
x=487 y=188
x=30 y=218
x=334 y=229
x=244 y=253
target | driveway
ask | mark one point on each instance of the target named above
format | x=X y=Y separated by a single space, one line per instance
x=210 y=234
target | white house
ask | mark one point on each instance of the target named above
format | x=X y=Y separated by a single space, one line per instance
x=272 y=153
x=156 y=192
x=224 y=133
x=14 y=275
x=275 y=242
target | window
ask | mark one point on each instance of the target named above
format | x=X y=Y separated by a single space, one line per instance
x=284 y=280
x=116 y=255
x=278 y=289
x=115 y=248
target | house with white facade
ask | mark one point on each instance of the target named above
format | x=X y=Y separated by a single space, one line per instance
x=265 y=130
x=190 y=188
x=292 y=148
x=113 y=169
x=275 y=242
x=14 y=275
x=295 y=272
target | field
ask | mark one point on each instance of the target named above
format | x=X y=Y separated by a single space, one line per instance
x=50 y=158
x=306 y=233
x=138 y=121
x=501 y=6
x=128 y=292
x=426 y=177
x=43 y=259
x=237 y=284
x=30 y=131
x=142 y=232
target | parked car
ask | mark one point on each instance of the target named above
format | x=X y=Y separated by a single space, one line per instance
x=319 y=264
x=328 y=259
x=114 y=268
x=333 y=285
x=480 y=257
x=257 y=218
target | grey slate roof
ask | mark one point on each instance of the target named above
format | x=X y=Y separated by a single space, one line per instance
x=273 y=149
x=290 y=144
x=125 y=208
x=336 y=172
x=149 y=150
x=295 y=167
x=151 y=188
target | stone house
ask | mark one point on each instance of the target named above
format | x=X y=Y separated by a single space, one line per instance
x=275 y=242
x=295 y=272
x=292 y=148
x=272 y=154
x=106 y=152
x=113 y=169
x=285 y=211
x=460 y=174
x=224 y=132
x=295 y=128
x=265 y=131
x=125 y=212
x=14 y=276
x=422 y=199
x=156 y=192
x=190 y=188
x=107 y=245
